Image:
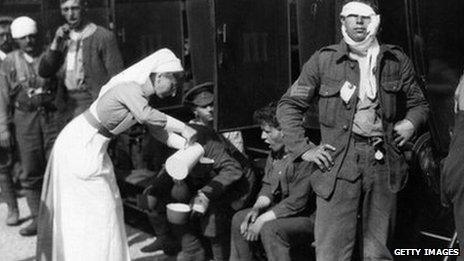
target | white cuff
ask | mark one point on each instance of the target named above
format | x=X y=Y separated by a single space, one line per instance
x=174 y=125
x=175 y=141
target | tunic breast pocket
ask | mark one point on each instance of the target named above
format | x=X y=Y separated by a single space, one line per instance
x=391 y=99
x=329 y=101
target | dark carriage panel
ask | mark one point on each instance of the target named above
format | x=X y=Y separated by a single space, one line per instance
x=15 y=8
x=253 y=58
x=201 y=32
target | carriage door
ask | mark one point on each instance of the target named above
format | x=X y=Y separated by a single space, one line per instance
x=252 y=41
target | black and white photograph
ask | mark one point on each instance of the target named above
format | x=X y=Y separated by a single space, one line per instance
x=231 y=130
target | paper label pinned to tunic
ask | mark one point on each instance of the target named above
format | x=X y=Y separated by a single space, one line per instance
x=347 y=91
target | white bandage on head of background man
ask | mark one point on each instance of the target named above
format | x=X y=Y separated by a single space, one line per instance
x=23 y=26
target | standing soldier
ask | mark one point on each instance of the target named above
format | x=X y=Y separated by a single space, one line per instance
x=452 y=177
x=6 y=141
x=31 y=101
x=83 y=55
x=369 y=106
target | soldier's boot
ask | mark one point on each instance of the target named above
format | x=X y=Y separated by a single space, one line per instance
x=164 y=239
x=33 y=201
x=9 y=195
x=163 y=242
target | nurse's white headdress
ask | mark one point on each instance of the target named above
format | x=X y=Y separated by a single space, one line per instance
x=161 y=61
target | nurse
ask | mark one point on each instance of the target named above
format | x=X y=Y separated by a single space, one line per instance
x=81 y=213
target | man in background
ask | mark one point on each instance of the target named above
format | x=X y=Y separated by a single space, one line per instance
x=6 y=139
x=6 y=43
x=83 y=55
x=32 y=102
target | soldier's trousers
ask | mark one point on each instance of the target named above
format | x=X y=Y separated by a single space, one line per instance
x=368 y=197
x=278 y=238
x=36 y=132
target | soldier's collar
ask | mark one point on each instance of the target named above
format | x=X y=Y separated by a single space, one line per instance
x=342 y=50
x=279 y=154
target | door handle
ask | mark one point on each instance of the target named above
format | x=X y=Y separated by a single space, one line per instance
x=122 y=34
x=222 y=33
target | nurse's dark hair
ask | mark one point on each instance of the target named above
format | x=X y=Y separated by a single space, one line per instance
x=372 y=3
x=177 y=75
x=5 y=20
x=83 y=3
x=267 y=115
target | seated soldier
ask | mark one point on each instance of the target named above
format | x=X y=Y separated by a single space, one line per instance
x=200 y=99
x=283 y=215
x=223 y=187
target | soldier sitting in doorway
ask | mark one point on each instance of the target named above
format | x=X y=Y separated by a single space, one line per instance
x=222 y=187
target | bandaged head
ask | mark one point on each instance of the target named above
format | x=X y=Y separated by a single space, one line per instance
x=23 y=26
x=356 y=8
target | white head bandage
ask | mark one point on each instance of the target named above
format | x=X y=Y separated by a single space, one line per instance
x=361 y=9
x=23 y=26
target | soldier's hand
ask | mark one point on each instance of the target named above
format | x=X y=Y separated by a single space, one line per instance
x=252 y=233
x=249 y=218
x=404 y=130
x=321 y=156
x=62 y=32
x=199 y=205
x=6 y=139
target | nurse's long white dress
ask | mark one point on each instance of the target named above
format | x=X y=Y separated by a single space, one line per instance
x=88 y=221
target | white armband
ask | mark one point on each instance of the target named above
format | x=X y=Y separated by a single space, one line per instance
x=175 y=141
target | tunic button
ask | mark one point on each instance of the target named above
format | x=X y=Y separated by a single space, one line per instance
x=345 y=127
